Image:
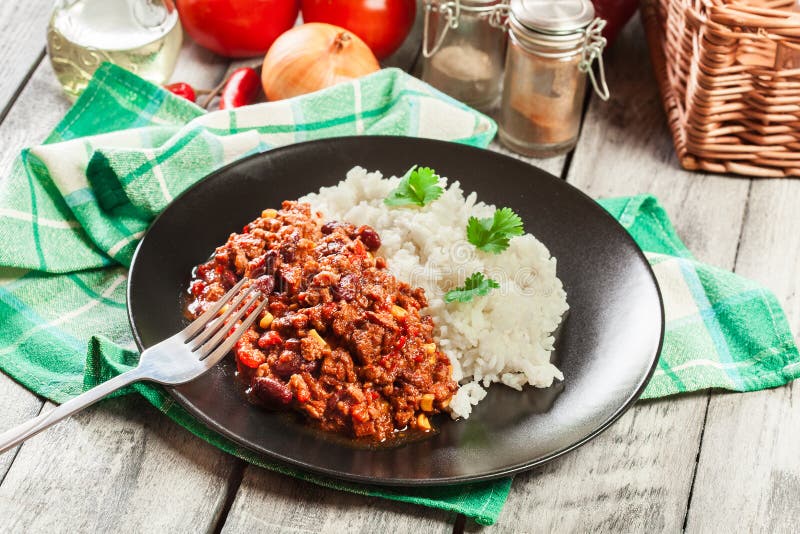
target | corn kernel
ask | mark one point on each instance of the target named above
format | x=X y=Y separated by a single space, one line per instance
x=422 y=422
x=427 y=402
x=266 y=320
x=430 y=348
x=313 y=334
x=269 y=213
x=398 y=312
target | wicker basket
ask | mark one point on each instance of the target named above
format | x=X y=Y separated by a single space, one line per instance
x=729 y=74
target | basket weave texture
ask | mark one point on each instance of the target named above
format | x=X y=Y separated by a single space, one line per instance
x=729 y=74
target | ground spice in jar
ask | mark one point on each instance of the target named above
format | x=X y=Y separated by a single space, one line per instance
x=545 y=100
x=467 y=72
x=545 y=78
x=464 y=43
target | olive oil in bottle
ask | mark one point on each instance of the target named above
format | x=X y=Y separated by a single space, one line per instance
x=143 y=36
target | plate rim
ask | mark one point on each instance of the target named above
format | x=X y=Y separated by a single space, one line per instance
x=404 y=482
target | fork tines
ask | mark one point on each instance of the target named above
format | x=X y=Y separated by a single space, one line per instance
x=214 y=334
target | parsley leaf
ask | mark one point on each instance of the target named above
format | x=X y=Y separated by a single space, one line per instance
x=476 y=285
x=493 y=233
x=419 y=186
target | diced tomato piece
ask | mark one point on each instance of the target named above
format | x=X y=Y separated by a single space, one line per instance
x=328 y=309
x=197 y=287
x=269 y=339
x=360 y=413
x=250 y=358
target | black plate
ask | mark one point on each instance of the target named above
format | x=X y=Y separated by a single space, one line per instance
x=607 y=347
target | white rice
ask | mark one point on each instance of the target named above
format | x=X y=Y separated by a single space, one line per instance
x=506 y=336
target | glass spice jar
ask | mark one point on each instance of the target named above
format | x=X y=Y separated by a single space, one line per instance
x=552 y=45
x=463 y=48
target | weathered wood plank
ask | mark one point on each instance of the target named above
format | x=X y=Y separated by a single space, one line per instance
x=269 y=502
x=120 y=465
x=22 y=41
x=25 y=124
x=197 y=66
x=29 y=121
x=18 y=405
x=637 y=475
x=748 y=476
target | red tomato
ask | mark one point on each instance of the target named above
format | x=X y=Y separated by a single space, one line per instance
x=616 y=13
x=237 y=28
x=382 y=24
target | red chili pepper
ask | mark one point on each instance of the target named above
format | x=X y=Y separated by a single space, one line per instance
x=241 y=88
x=401 y=343
x=182 y=89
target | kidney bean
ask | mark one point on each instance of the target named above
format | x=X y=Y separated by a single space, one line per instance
x=287 y=364
x=271 y=261
x=229 y=279
x=329 y=227
x=257 y=267
x=292 y=344
x=272 y=392
x=265 y=283
x=346 y=288
x=369 y=237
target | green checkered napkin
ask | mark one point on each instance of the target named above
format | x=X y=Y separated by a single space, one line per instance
x=72 y=210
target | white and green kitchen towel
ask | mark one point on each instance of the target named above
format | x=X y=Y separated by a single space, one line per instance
x=73 y=209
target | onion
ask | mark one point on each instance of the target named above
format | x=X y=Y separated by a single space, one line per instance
x=311 y=57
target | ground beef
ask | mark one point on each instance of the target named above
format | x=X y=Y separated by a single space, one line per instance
x=343 y=341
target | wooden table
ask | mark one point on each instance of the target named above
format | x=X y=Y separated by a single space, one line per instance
x=703 y=462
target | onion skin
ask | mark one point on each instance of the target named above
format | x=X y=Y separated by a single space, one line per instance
x=314 y=56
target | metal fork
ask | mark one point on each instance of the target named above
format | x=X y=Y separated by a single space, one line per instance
x=176 y=360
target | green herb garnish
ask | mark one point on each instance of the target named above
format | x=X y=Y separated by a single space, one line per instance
x=492 y=234
x=419 y=186
x=476 y=285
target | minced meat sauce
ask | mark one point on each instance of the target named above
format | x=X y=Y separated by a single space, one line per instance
x=342 y=340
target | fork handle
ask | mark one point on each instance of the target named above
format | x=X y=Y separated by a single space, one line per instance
x=13 y=437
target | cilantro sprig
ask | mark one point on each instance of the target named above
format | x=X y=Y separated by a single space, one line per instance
x=419 y=186
x=476 y=285
x=493 y=233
